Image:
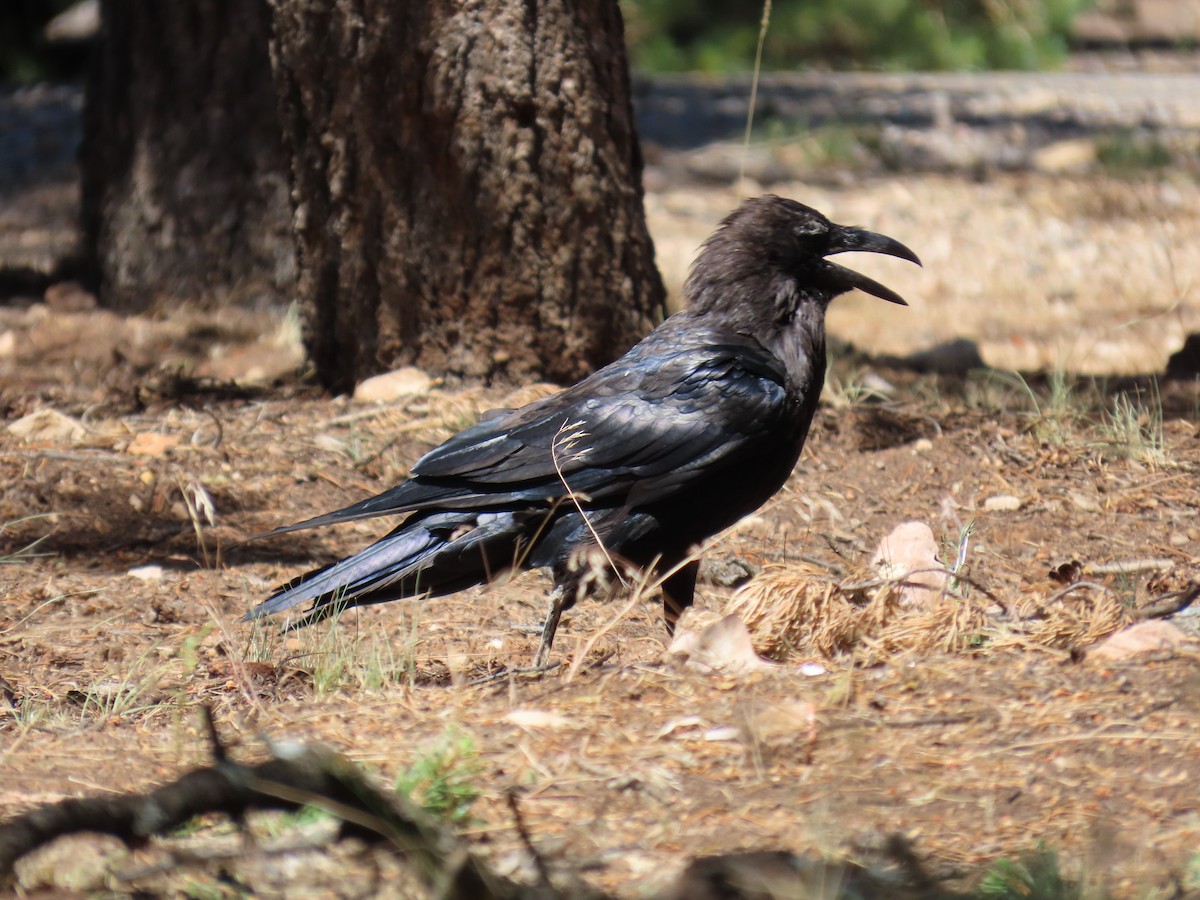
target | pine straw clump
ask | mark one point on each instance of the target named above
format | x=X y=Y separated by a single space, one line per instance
x=1067 y=619
x=798 y=611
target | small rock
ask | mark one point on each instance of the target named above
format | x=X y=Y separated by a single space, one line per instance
x=1002 y=503
x=403 y=382
x=261 y=362
x=1140 y=638
x=74 y=863
x=723 y=733
x=47 y=425
x=785 y=723
x=723 y=645
x=1084 y=502
x=922 y=445
x=1065 y=156
x=146 y=573
x=8 y=344
x=1178 y=539
x=909 y=554
x=729 y=572
x=877 y=385
x=69 y=296
x=537 y=718
x=330 y=444
x=151 y=443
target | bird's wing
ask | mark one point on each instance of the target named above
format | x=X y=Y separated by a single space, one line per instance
x=647 y=425
x=641 y=417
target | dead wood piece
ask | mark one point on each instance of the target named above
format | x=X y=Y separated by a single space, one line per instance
x=770 y=874
x=1129 y=566
x=1169 y=604
x=291 y=780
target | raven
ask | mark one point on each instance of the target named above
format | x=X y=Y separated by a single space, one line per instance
x=696 y=426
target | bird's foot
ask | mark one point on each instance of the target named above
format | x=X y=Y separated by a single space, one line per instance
x=557 y=602
x=503 y=674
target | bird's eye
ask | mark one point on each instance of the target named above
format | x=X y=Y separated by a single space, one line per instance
x=809 y=228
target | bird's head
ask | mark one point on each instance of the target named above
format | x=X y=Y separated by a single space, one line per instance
x=770 y=236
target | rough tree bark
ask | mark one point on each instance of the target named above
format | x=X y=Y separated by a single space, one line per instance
x=467 y=183
x=185 y=185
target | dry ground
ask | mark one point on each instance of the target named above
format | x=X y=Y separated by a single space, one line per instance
x=639 y=765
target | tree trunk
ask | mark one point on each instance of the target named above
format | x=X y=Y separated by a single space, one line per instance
x=467 y=184
x=185 y=193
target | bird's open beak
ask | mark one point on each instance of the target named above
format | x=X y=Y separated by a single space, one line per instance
x=859 y=240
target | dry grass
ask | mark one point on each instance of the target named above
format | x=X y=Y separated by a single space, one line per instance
x=794 y=611
x=1075 y=617
x=799 y=611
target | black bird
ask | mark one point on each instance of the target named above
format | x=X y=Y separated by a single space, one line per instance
x=692 y=429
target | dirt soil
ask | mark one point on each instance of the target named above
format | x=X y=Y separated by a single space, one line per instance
x=124 y=616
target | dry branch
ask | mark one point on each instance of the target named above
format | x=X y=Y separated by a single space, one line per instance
x=293 y=778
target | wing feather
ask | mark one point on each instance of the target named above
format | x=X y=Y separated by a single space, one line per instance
x=699 y=409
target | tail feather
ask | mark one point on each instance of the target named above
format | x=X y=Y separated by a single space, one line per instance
x=389 y=503
x=425 y=556
x=373 y=569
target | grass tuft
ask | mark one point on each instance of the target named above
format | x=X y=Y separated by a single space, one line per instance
x=1129 y=152
x=28 y=551
x=443 y=781
x=1035 y=875
x=1131 y=429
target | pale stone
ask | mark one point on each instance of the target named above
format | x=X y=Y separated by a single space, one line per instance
x=537 y=718
x=47 y=425
x=403 y=382
x=1065 y=156
x=1002 y=503
x=1084 y=501
x=151 y=443
x=909 y=555
x=1140 y=638
x=722 y=645
x=261 y=362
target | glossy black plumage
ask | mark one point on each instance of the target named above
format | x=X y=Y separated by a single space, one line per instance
x=695 y=427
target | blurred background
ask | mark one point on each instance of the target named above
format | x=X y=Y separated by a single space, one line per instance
x=47 y=39
x=1041 y=155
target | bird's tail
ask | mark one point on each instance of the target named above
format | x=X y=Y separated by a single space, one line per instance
x=426 y=556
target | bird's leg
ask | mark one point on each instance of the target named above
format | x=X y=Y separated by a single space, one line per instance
x=678 y=591
x=558 y=602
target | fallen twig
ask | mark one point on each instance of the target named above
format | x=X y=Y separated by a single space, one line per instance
x=1129 y=566
x=1169 y=604
x=295 y=777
